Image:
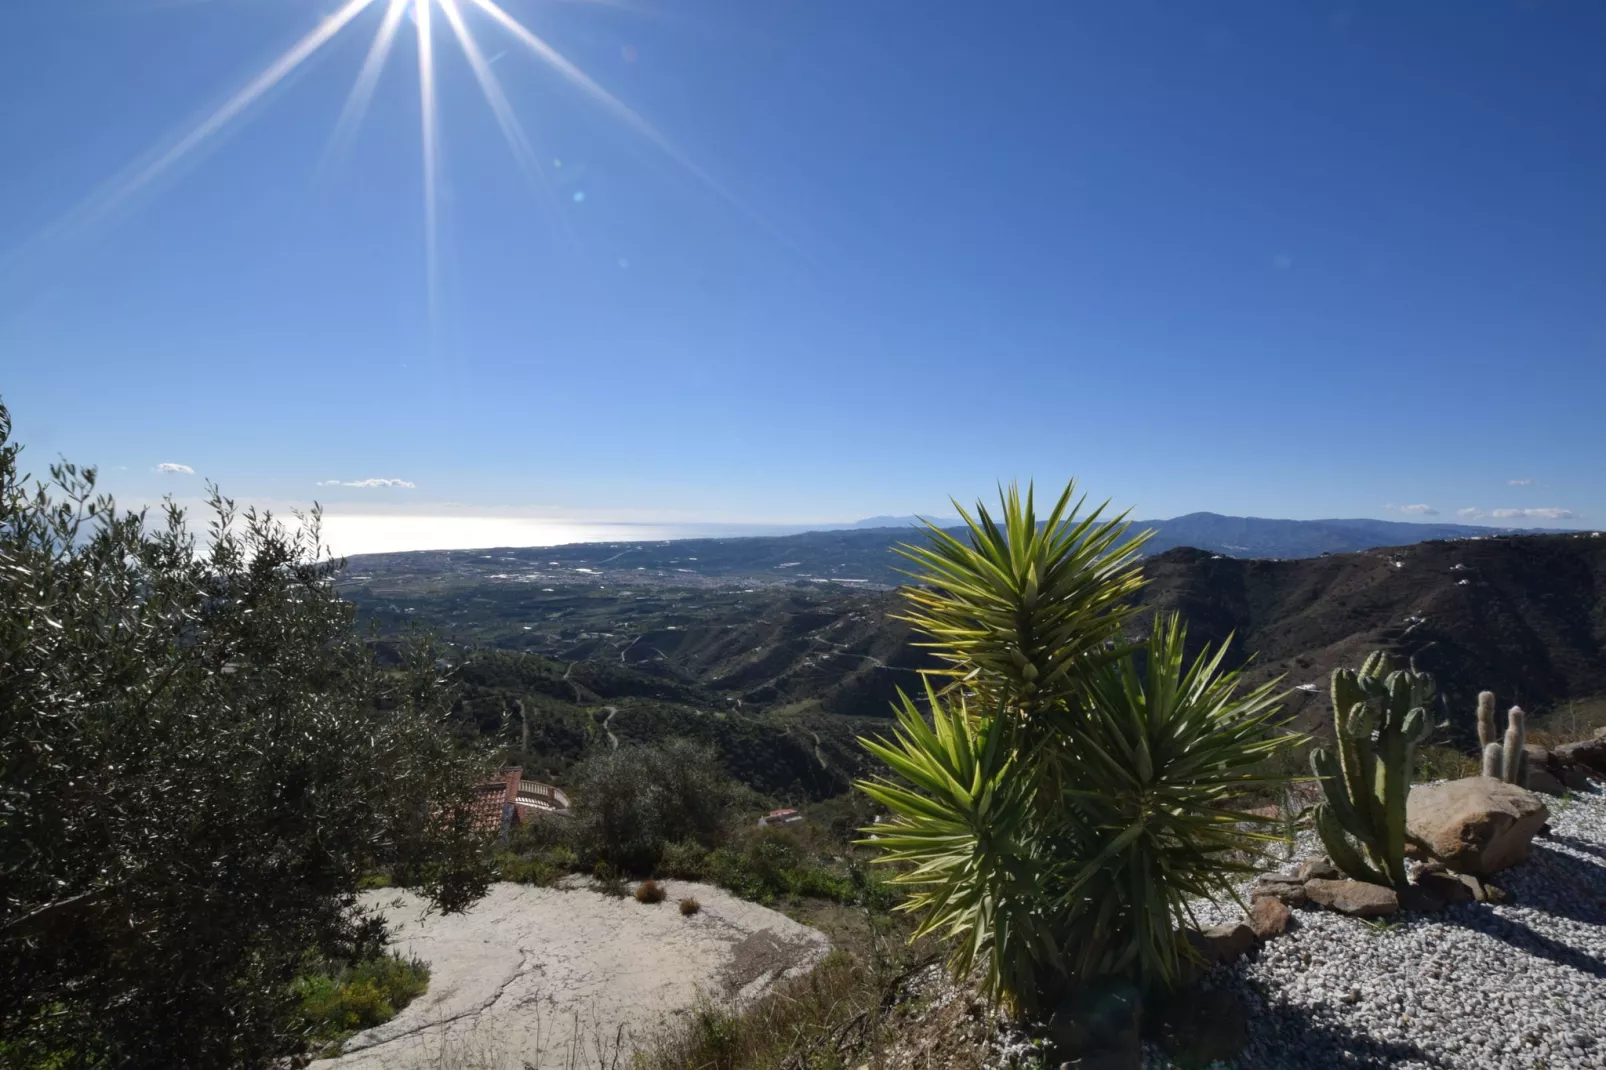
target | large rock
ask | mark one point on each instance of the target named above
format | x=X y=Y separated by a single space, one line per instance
x=1227 y=942
x=1589 y=753
x=1288 y=890
x=1269 y=917
x=1477 y=825
x=1356 y=898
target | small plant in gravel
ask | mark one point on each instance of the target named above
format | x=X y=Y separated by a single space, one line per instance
x=649 y=891
x=1361 y=819
x=689 y=906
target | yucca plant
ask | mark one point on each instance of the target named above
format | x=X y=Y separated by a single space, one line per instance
x=1155 y=766
x=977 y=859
x=1072 y=791
x=1017 y=609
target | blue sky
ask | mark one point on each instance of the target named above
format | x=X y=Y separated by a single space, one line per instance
x=1274 y=259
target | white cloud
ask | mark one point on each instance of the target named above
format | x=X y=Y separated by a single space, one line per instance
x=1420 y=510
x=1549 y=512
x=180 y=469
x=1519 y=482
x=367 y=483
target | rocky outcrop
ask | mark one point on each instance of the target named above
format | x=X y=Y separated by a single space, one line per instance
x=1478 y=825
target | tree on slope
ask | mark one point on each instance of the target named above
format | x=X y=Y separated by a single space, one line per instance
x=200 y=760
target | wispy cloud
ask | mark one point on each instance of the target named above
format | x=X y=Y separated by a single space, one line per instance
x=1414 y=510
x=367 y=483
x=1519 y=482
x=1549 y=512
x=178 y=469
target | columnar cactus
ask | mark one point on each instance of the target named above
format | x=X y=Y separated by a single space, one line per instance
x=1506 y=761
x=1379 y=719
x=1486 y=725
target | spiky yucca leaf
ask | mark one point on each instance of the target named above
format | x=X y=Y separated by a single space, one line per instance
x=1016 y=609
x=1161 y=753
x=976 y=861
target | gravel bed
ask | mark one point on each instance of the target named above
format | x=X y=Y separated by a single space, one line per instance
x=1521 y=985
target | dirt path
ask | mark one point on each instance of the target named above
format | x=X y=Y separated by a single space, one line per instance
x=561 y=980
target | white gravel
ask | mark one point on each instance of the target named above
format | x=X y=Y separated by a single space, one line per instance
x=1516 y=986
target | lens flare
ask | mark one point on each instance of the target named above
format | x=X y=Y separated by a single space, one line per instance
x=357 y=103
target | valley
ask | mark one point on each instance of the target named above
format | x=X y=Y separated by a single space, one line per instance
x=782 y=672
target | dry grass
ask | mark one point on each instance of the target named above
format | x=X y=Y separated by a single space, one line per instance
x=650 y=891
x=690 y=906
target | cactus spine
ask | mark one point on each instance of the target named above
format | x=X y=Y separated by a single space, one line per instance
x=1365 y=786
x=1506 y=760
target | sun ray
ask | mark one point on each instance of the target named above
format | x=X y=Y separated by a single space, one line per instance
x=362 y=92
x=622 y=112
x=275 y=73
x=584 y=82
x=426 y=115
x=518 y=142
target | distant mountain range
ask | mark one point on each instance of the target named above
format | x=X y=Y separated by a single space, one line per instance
x=864 y=555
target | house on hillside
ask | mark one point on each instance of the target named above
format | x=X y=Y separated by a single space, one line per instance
x=780 y=817
x=511 y=800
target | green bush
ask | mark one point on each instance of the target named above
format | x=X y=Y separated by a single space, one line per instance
x=336 y=1003
x=632 y=802
x=1070 y=793
x=685 y=860
x=200 y=760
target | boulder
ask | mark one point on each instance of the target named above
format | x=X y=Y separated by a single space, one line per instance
x=1269 y=917
x=1287 y=890
x=1227 y=942
x=1600 y=733
x=1319 y=868
x=1355 y=898
x=1477 y=825
x=1589 y=753
x=1544 y=782
x=1538 y=757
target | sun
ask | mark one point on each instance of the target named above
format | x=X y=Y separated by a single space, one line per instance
x=431 y=18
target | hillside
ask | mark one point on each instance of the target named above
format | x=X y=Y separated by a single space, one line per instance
x=1525 y=617
x=781 y=678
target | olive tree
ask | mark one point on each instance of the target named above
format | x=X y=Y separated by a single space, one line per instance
x=200 y=761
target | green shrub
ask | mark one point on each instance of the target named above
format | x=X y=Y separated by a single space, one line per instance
x=1058 y=812
x=632 y=802
x=685 y=860
x=334 y=1003
x=200 y=760
x=527 y=870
